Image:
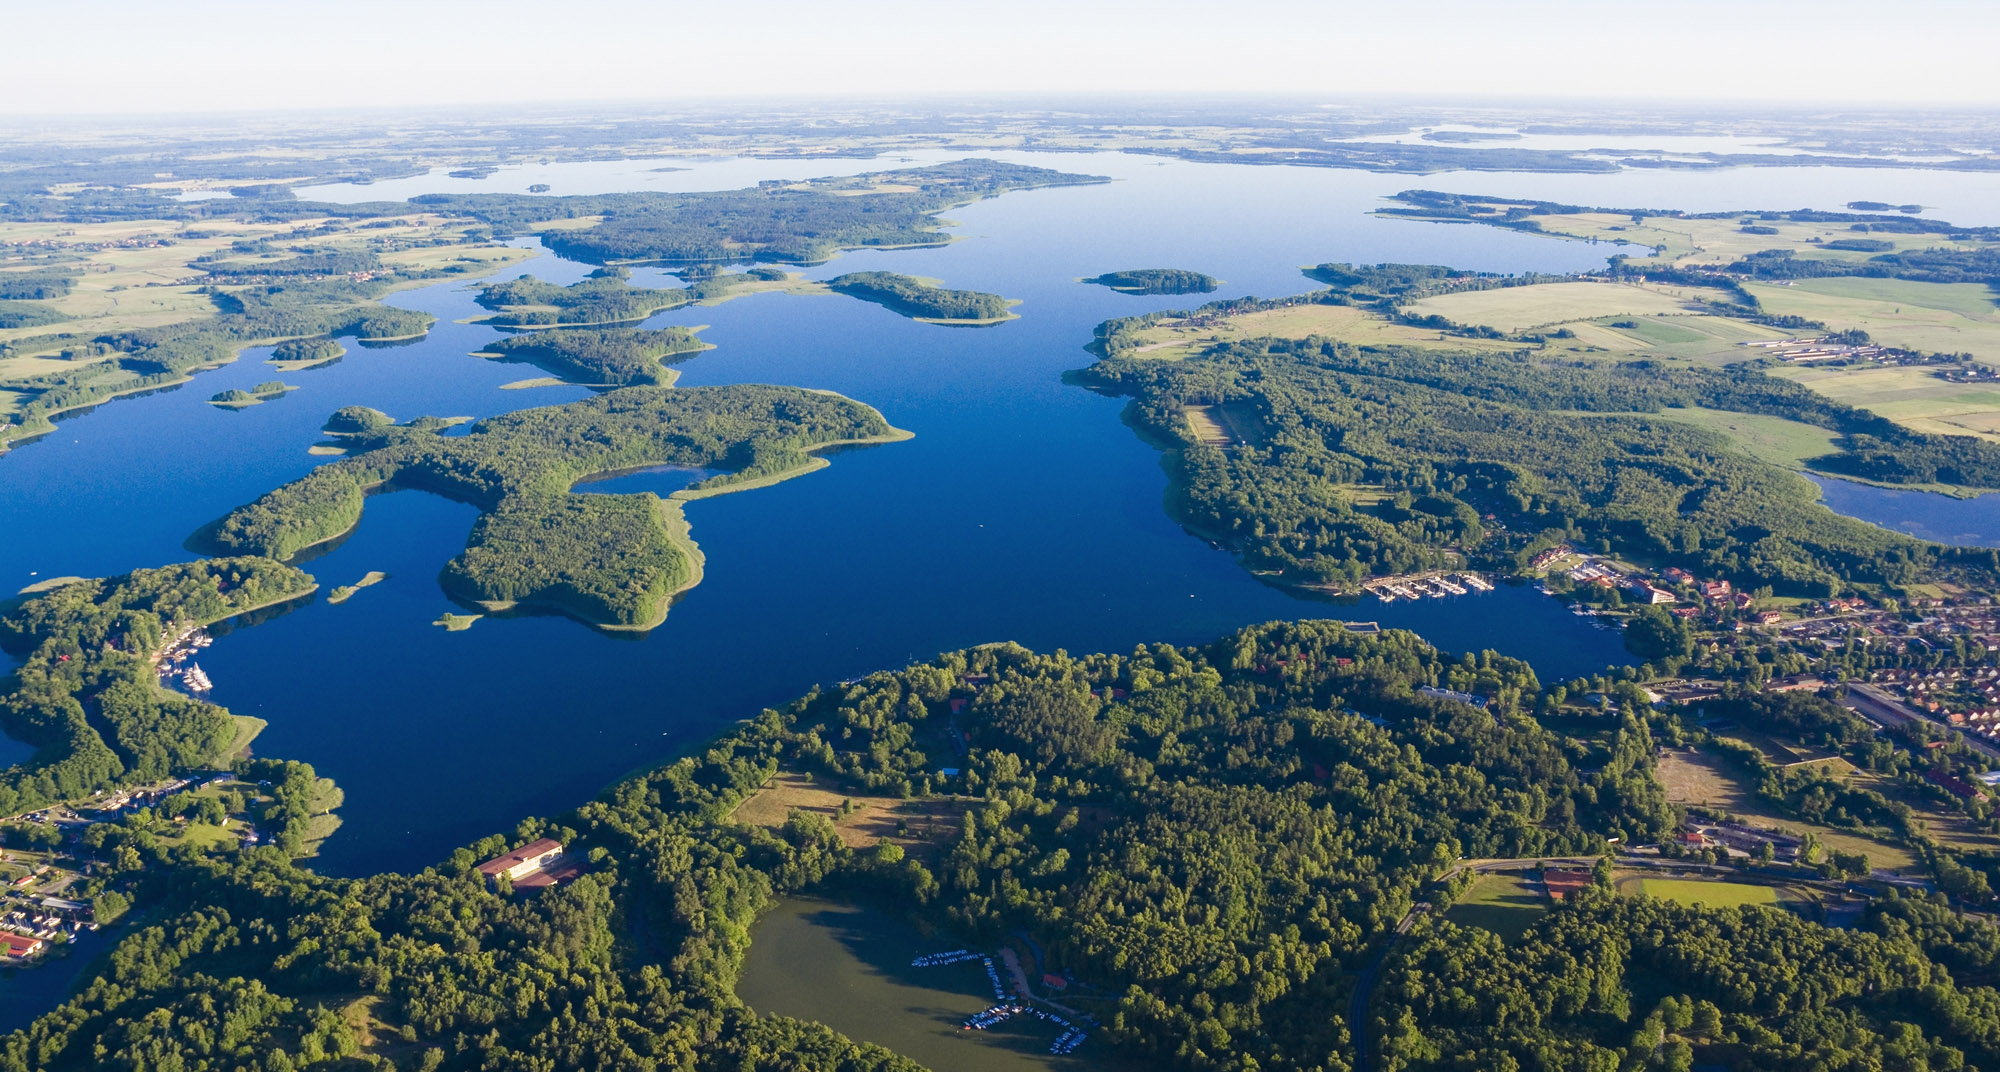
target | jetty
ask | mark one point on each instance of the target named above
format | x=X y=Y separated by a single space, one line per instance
x=1429 y=585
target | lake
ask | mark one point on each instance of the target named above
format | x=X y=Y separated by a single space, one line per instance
x=1022 y=510
x=848 y=967
x=1926 y=515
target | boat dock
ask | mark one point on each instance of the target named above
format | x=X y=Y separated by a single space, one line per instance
x=1431 y=585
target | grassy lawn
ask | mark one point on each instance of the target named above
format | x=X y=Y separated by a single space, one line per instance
x=200 y=835
x=1944 y=317
x=1776 y=440
x=920 y=826
x=1691 y=891
x=1506 y=903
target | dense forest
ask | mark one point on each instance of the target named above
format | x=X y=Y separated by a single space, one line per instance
x=1214 y=839
x=1605 y=982
x=616 y=357
x=1290 y=773
x=919 y=300
x=612 y=560
x=1553 y=449
x=86 y=694
x=1157 y=281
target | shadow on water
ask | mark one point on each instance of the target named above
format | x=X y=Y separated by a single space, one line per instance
x=848 y=966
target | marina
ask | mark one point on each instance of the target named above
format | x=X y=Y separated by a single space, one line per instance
x=1432 y=585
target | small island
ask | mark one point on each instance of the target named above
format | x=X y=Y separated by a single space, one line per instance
x=608 y=358
x=306 y=353
x=345 y=592
x=238 y=398
x=1157 y=281
x=923 y=300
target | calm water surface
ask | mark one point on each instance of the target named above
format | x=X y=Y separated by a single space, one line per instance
x=1022 y=510
x=1923 y=514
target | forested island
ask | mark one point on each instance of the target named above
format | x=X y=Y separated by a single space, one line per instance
x=615 y=357
x=921 y=300
x=1157 y=281
x=778 y=222
x=615 y=561
x=238 y=398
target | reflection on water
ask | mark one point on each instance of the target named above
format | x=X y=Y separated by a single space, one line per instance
x=849 y=967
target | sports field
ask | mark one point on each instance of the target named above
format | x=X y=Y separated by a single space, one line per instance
x=1691 y=891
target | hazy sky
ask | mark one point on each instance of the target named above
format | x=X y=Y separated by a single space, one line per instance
x=180 y=55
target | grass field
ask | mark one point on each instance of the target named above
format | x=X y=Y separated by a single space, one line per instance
x=1941 y=317
x=1520 y=308
x=1706 y=780
x=1909 y=395
x=1776 y=440
x=921 y=827
x=1506 y=903
x=1175 y=339
x=1691 y=891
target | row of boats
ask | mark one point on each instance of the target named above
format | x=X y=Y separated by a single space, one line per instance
x=1428 y=586
x=176 y=659
x=1008 y=1006
x=939 y=960
x=1071 y=1037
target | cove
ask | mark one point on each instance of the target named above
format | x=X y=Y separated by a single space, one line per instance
x=1926 y=515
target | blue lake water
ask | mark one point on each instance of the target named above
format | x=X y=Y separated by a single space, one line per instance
x=1923 y=514
x=1022 y=510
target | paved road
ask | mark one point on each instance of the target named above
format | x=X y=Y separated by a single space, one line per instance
x=1878 y=706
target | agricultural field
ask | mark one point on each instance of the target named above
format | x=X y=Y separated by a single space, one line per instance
x=1618 y=319
x=1551 y=304
x=1935 y=317
x=137 y=274
x=1911 y=395
x=1506 y=903
x=1175 y=339
x=1706 y=780
x=1721 y=241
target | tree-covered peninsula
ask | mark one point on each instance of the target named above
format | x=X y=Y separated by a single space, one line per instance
x=920 y=300
x=616 y=357
x=611 y=560
x=1448 y=443
x=87 y=694
x=1157 y=281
